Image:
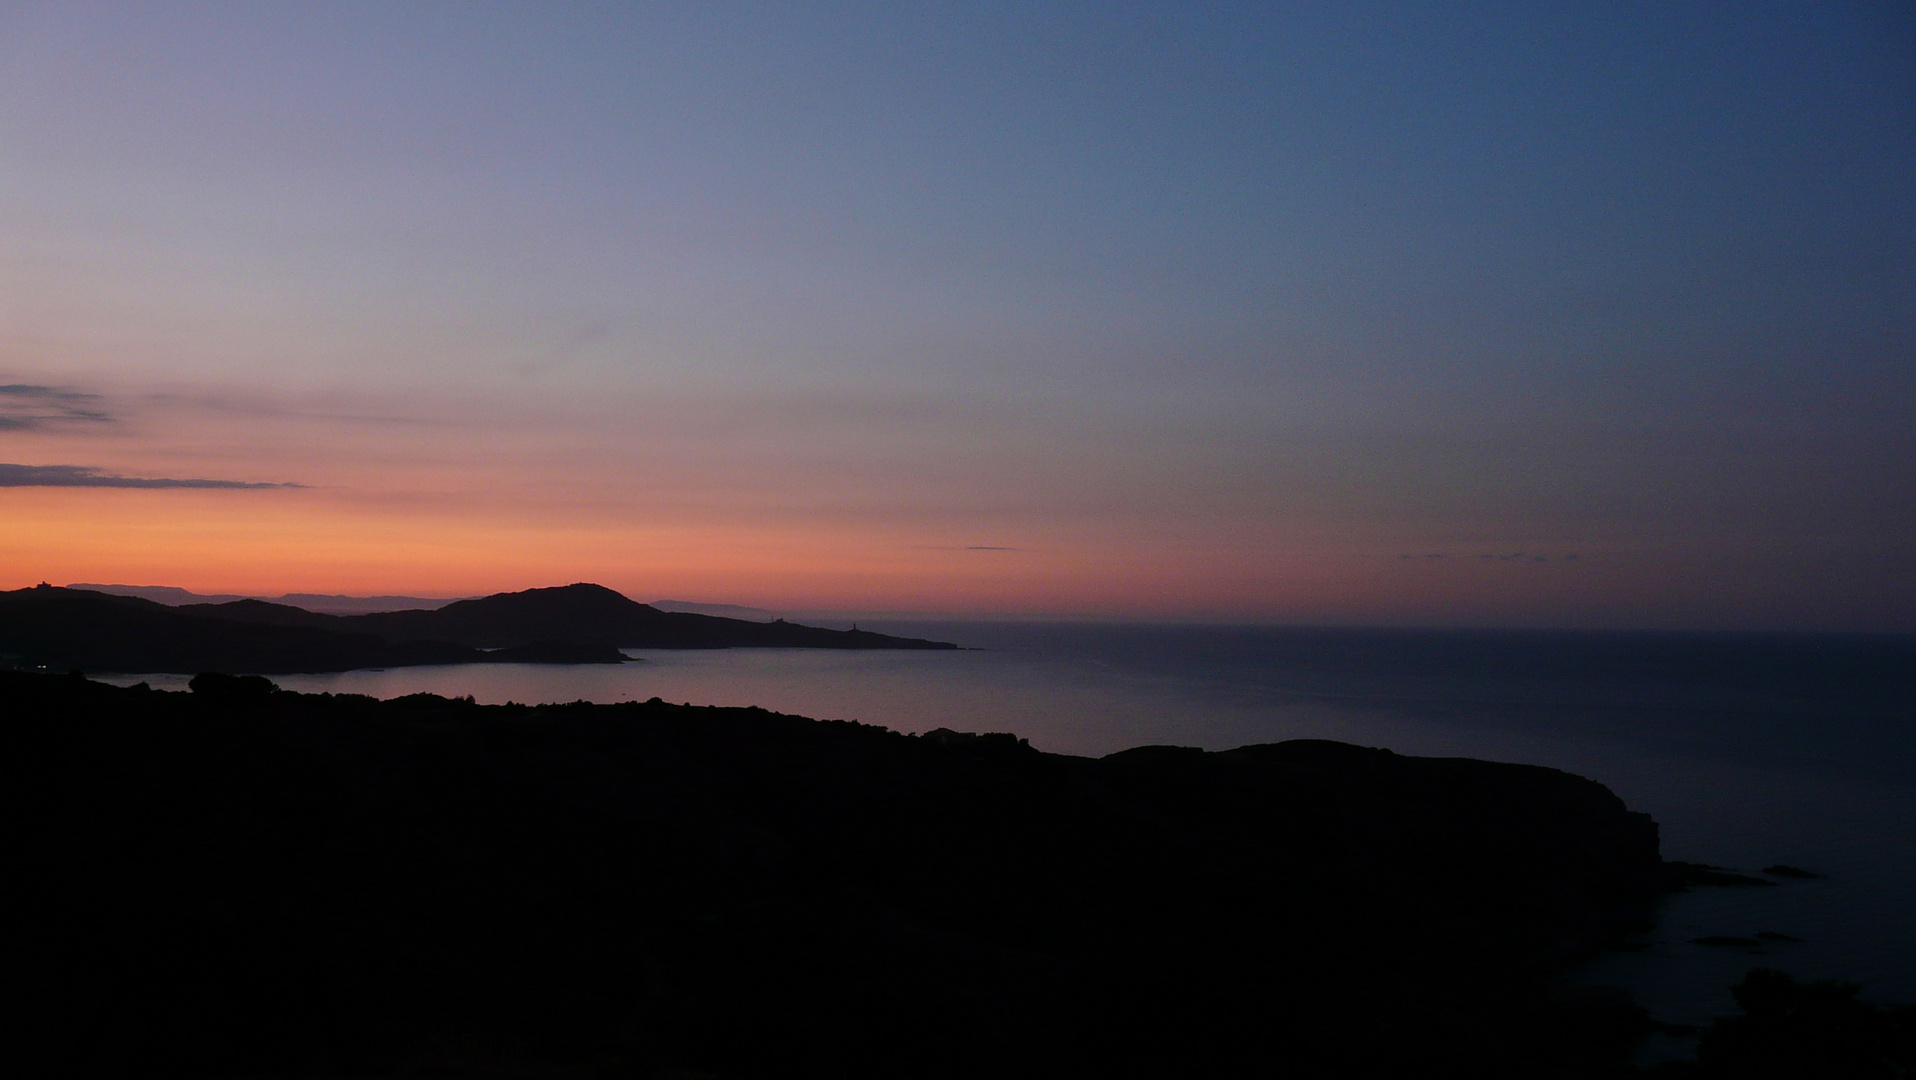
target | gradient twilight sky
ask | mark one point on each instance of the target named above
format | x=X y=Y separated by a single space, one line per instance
x=1446 y=314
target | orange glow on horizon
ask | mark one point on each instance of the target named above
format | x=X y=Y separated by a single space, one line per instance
x=274 y=542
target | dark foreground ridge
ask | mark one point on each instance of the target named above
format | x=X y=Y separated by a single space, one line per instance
x=575 y=624
x=242 y=881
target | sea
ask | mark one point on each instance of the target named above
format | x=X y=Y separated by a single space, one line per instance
x=1749 y=750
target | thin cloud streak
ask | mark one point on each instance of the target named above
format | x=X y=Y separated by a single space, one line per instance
x=14 y=476
x=27 y=406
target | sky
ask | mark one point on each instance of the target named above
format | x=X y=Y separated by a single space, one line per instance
x=1448 y=314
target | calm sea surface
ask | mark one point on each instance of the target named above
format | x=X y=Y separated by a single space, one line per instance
x=1748 y=750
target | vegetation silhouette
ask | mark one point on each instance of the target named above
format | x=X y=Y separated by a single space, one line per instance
x=577 y=624
x=243 y=881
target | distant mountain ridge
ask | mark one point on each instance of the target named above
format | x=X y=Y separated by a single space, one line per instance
x=59 y=629
x=325 y=603
x=170 y=595
x=70 y=628
x=729 y=611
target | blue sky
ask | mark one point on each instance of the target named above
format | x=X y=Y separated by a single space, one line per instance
x=1203 y=309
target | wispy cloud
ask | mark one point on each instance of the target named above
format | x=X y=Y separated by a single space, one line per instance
x=24 y=406
x=85 y=476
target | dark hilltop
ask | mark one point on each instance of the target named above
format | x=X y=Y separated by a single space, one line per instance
x=60 y=629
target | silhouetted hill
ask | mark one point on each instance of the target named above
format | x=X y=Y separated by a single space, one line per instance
x=246 y=882
x=590 y=614
x=598 y=615
x=263 y=613
x=337 y=604
x=68 y=628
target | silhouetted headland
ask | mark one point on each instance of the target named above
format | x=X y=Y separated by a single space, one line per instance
x=243 y=881
x=575 y=624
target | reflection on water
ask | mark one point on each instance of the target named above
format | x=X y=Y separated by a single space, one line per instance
x=1748 y=751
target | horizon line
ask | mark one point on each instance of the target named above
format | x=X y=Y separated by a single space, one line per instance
x=1194 y=621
